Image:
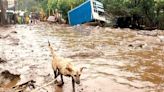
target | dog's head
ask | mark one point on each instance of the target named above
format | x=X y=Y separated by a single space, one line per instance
x=76 y=75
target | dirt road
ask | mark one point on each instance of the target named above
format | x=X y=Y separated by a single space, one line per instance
x=117 y=60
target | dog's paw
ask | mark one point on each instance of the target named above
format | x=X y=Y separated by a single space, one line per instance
x=55 y=82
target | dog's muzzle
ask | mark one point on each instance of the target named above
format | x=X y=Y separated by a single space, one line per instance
x=77 y=82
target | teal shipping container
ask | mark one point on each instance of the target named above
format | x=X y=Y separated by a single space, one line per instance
x=89 y=11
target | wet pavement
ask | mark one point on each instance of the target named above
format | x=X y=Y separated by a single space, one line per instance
x=117 y=60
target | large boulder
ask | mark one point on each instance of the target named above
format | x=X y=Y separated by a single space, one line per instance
x=51 y=19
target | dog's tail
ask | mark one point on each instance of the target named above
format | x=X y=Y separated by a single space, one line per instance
x=51 y=49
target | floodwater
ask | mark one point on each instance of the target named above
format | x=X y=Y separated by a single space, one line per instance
x=116 y=60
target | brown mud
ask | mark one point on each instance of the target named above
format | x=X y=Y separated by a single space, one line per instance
x=117 y=60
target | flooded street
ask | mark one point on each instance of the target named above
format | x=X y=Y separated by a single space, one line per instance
x=116 y=60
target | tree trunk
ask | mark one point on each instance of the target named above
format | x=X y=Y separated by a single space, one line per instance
x=3 y=7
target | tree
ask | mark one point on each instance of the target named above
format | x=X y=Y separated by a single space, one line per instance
x=3 y=8
x=115 y=7
x=160 y=13
x=62 y=5
x=151 y=10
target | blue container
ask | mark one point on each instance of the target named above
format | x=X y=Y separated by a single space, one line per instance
x=90 y=10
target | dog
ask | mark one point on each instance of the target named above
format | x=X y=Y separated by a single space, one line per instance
x=63 y=67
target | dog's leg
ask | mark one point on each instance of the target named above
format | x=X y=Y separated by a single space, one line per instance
x=73 y=84
x=62 y=79
x=55 y=74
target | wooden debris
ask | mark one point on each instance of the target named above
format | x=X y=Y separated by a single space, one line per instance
x=35 y=90
x=22 y=87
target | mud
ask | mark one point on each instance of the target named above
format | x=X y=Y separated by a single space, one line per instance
x=8 y=80
x=117 y=60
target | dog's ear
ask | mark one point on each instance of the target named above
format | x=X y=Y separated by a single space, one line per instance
x=49 y=43
x=81 y=69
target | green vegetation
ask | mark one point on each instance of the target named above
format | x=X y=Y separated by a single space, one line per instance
x=48 y=7
x=62 y=5
x=152 y=11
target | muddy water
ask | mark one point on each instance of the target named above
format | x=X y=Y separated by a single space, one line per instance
x=117 y=60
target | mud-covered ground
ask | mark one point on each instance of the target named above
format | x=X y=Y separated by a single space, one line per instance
x=117 y=60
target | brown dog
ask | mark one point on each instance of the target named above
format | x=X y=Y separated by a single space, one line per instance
x=62 y=66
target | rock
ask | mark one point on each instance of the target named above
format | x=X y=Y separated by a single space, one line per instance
x=2 y=60
x=51 y=19
x=137 y=44
x=148 y=33
x=161 y=38
x=14 y=32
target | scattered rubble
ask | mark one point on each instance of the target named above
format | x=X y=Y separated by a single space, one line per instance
x=2 y=60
